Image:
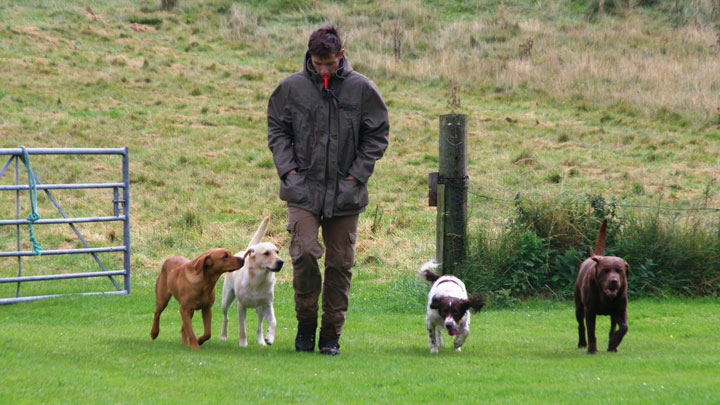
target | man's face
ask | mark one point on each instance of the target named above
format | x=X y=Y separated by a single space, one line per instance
x=328 y=65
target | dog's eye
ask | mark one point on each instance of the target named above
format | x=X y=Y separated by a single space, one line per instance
x=267 y=253
x=226 y=256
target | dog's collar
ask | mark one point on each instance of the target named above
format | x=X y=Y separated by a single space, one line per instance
x=449 y=280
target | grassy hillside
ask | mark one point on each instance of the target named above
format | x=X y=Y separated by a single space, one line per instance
x=625 y=106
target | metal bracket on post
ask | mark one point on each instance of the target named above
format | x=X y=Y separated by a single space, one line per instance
x=440 y=227
x=433 y=189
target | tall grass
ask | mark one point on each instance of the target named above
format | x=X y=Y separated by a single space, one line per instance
x=539 y=251
x=624 y=57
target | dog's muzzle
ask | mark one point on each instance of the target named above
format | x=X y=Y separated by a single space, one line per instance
x=612 y=288
x=451 y=327
x=277 y=266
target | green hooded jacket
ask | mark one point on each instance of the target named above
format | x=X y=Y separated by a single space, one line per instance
x=326 y=136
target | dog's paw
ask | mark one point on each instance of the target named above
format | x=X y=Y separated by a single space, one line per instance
x=458 y=349
x=261 y=342
x=433 y=350
x=269 y=341
x=243 y=343
x=612 y=349
x=223 y=337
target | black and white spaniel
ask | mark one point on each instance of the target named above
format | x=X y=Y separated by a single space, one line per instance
x=448 y=307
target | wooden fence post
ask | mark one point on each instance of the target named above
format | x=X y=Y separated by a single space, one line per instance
x=451 y=185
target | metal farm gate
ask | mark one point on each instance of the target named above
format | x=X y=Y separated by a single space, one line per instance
x=121 y=212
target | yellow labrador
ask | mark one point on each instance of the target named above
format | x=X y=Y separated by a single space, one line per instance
x=253 y=286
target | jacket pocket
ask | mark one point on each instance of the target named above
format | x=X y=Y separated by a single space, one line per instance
x=351 y=195
x=295 y=248
x=350 y=251
x=293 y=189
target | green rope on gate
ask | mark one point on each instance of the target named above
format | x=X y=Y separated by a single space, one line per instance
x=34 y=216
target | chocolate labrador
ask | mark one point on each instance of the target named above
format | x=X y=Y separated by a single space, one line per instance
x=601 y=289
x=192 y=283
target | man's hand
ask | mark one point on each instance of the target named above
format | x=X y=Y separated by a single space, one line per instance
x=293 y=171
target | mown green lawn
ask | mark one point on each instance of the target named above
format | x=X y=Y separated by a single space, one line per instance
x=98 y=349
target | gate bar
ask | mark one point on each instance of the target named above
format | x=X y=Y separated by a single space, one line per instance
x=17 y=216
x=63 y=276
x=62 y=186
x=126 y=214
x=61 y=220
x=64 y=151
x=64 y=251
x=4 y=301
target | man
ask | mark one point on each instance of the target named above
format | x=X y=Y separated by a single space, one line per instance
x=327 y=125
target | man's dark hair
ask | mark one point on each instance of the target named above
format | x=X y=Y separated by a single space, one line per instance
x=325 y=42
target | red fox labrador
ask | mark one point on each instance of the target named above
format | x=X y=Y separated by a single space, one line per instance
x=192 y=283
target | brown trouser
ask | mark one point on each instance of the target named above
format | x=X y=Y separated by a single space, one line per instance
x=339 y=235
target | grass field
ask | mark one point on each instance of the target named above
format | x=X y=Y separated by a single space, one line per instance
x=623 y=104
x=98 y=350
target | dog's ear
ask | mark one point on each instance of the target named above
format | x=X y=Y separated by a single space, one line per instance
x=249 y=252
x=474 y=302
x=592 y=253
x=627 y=269
x=203 y=262
x=435 y=303
x=592 y=275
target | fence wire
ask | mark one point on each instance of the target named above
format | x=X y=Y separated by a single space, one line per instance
x=494 y=207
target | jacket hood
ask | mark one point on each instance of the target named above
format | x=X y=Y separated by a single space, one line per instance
x=342 y=72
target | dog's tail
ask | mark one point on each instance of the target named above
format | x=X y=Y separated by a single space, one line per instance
x=260 y=233
x=427 y=273
x=600 y=241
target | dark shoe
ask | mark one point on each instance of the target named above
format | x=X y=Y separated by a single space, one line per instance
x=305 y=338
x=330 y=347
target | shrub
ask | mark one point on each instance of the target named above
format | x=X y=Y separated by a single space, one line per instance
x=539 y=251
